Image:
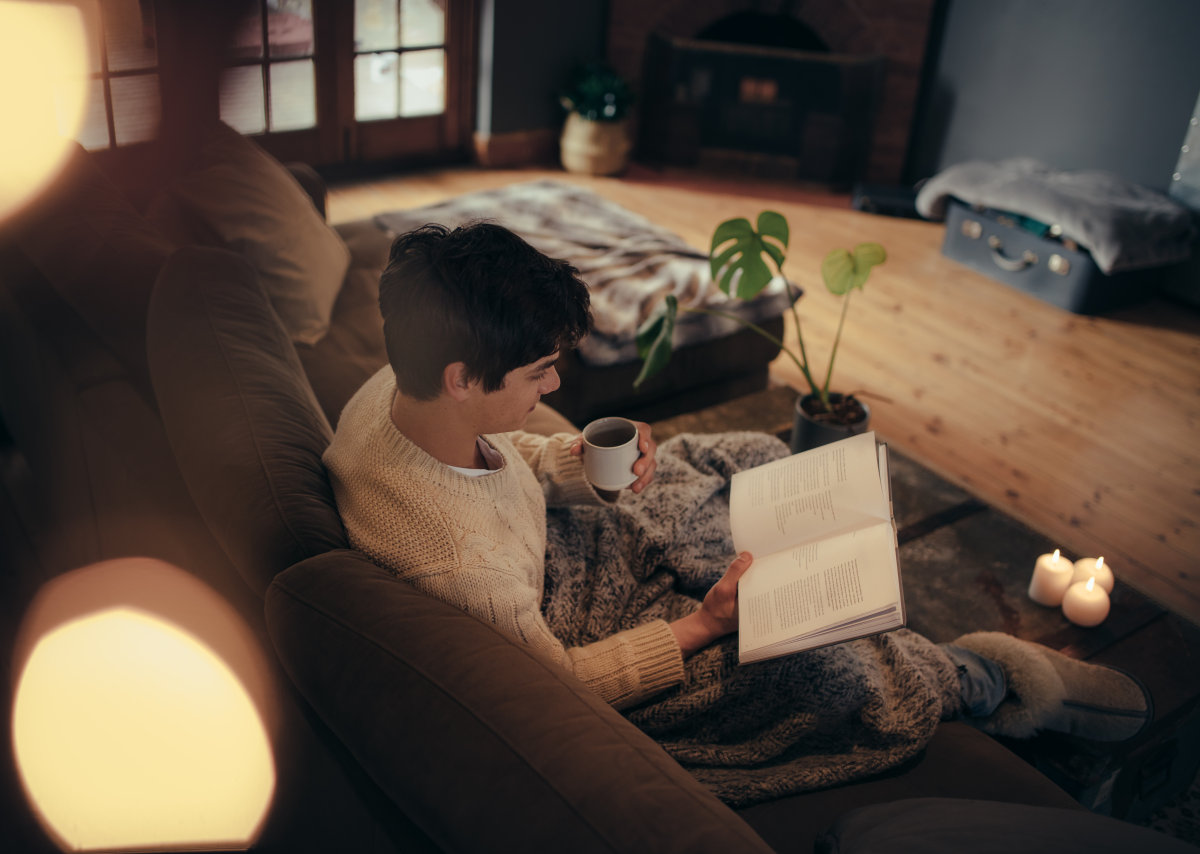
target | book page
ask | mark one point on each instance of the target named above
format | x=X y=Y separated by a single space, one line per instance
x=805 y=589
x=805 y=497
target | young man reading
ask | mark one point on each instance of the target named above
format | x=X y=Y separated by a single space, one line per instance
x=434 y=478
x=436 y=481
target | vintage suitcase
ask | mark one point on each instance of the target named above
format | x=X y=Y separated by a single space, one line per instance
x=1027 y=255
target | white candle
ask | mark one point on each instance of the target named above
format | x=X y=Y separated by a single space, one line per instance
x=1093 y=567
x=1051 y=578
x=1085 y=603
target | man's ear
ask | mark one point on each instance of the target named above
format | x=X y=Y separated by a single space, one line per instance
x=455 y=382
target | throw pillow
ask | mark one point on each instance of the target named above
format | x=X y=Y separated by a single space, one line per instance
x=242 y=199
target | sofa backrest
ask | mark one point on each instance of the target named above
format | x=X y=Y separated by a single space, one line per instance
x=246 y=430
x=99 y=255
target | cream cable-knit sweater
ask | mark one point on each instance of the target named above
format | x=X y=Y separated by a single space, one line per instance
x=479 y=542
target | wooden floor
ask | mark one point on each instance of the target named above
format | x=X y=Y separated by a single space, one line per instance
x=1084 y=428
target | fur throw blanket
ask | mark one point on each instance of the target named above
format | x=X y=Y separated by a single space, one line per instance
x=1124 y=226
x=754 y=732
x=628 y=262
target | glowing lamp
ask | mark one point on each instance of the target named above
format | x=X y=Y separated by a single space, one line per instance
x=141 y=713
x=43 y=63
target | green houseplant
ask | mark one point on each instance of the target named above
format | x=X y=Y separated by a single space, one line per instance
x=741 y=258
x=595 y=138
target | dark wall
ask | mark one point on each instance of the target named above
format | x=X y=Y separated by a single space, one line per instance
x=528 y=49
x=1079 y=84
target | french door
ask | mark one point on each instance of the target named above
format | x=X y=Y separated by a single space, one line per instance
x=329 y=82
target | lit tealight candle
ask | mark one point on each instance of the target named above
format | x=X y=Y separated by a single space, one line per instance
x=1085 y=603
x=1051 y=577
x=1093 y=567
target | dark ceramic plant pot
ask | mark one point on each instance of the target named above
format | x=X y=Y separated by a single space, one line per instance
x=809 y=432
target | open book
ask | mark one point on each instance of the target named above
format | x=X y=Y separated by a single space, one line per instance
x=826 y=569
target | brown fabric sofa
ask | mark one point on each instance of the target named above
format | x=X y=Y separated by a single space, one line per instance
x=164 y=408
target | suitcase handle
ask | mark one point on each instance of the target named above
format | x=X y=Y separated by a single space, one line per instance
x=1012 y=265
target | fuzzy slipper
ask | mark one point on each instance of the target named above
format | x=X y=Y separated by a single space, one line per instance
x=1051 y=691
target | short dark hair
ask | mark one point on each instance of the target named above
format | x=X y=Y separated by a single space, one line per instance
x=477 y=294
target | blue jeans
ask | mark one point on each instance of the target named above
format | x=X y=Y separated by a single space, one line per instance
x=981 y=680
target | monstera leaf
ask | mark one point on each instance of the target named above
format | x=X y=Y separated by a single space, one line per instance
x=744 y=252
x=843 y=270
x=654 y=339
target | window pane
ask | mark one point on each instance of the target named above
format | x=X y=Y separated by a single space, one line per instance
x=376 y=86
x=422 y=82
x=93 y=133
x=376 y=24
x=243 y=105
x=290 y=28
x=293 y=95
x=422 y=22
x=247 y=38
x=91 y=18
x=129 y=32
x=136 y=108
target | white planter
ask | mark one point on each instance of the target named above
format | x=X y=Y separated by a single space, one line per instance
x=594 y=148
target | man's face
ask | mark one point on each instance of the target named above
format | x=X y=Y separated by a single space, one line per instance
x=508 y=407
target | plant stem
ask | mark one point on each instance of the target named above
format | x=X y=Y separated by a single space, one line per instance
x=800 y=337
x=833 y=352
x=758 y=329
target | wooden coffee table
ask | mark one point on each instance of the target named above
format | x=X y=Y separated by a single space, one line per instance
x=966 y=567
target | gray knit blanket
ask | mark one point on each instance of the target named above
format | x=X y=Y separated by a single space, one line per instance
x=754 y=732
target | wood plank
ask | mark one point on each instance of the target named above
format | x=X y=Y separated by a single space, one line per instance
x=1083 y=428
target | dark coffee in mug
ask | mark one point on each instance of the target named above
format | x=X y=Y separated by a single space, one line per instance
x=610 y=449
x=611 y=437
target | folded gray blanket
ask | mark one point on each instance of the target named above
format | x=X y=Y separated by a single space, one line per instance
x=753 y=732
x=628 y=262
x=1124 y=226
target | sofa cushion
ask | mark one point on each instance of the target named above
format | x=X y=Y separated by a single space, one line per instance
x=240 y=198
x=480 y=743
x=353 y=349
x=951 y=764
x=952 y=826
x=242 y=421
x=100 y=256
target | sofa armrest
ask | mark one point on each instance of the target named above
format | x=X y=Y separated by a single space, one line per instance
x=312 y=183
x=953 y=825
x=482 y=745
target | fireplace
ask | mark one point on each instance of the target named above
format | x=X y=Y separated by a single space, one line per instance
x=759 y=109
x=811 y=90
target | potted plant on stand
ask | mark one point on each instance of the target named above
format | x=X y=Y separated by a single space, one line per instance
x=596 y=138
x=738 y=258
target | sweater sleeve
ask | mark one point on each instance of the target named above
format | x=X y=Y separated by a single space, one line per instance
x=631 y=666
x=559 y=472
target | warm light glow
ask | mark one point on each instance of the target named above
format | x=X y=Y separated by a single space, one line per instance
x=1100 y=564
x=1055 y=558
x=129 y=730
x=43 y=63
x=1091 y=584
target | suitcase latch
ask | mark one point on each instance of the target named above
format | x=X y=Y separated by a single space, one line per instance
x=1059 y=264
x=972 y=228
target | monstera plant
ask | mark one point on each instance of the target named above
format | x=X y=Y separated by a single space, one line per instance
x=744 y=258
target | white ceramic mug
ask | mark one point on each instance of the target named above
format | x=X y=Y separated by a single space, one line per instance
x=610 y=448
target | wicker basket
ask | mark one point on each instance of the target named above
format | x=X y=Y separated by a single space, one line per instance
x=595 y=148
